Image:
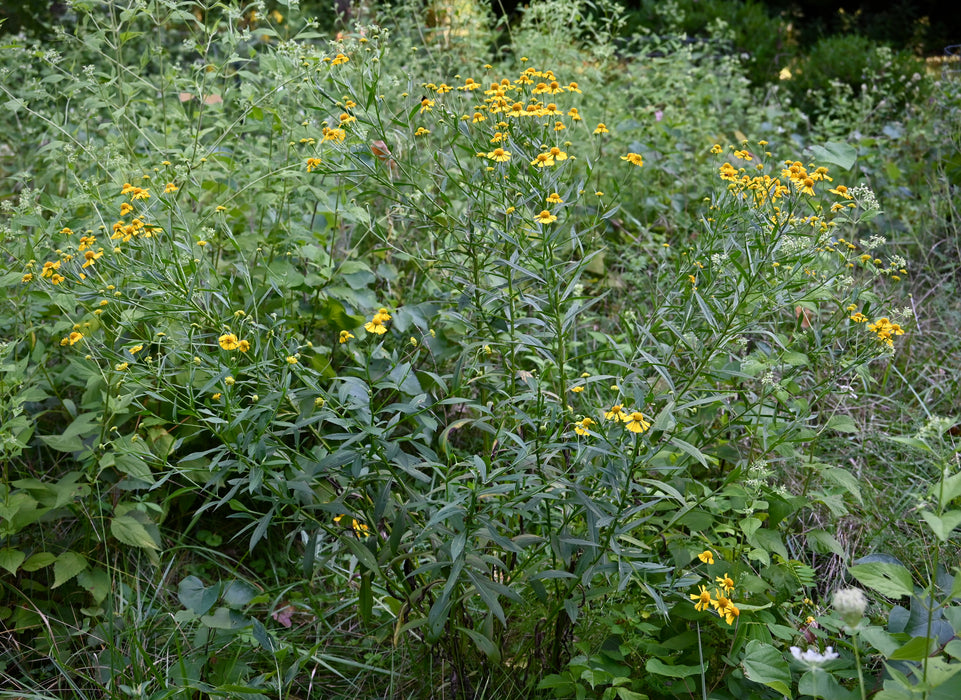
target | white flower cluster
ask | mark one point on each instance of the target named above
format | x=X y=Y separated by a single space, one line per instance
x=813 y=656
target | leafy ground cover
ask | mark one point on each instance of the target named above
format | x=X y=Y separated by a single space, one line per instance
x=430 y=362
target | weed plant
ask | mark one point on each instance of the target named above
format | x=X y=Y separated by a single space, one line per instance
x=364 y=368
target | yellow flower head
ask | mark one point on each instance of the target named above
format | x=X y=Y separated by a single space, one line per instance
x=545 y=217
x=637 y=424
x=229 y=341
x=707 y=556
x=726 y=582
x=703 y=599
x=376 y=324
x=499 y=155
x=345 y=336
x=601 y=129
x=617 y=412
x=583 y=427
x=634 y=159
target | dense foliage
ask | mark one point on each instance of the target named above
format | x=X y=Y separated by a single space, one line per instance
x=425 y=361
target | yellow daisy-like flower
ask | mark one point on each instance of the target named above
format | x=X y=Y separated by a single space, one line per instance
x=376 y=324
x=339 y=59
x=707 y=556
x=499 y=155
x=716 y=149
x=228 y=341
x=583 y=427
x=345 y=336
x=859 y=318
x=558 y=154
x=171 y=187
x=601 y=129
x=135 y=349
x=542 y=160
x=577 y=389
x=574 y=114
x=120 y=367
x=726 y=582
x=311 y=164
x=545 y=217
x=841 y=191
x=291 y=360
x=421 y=131
x=554 y=198
x=703 y=599
x=91 y=257
x=125 y=209
x=637 y=424
x=634 y=159
x=617 y=412
x=72 y=339
x=337 y=135
x=243 y=345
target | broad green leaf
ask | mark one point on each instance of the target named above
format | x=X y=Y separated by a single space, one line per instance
x=819 y=683
x=130 y=530
x=843 y=478
x=827 y=541
x=96 y=582
x=891 y=580
x=39 y=561
x=195 y=596
x=68 y=565
x=764 y=664
x=833 y=153
x=915 y=649
x=655 y=665
x=841 y=423
x=942 y=527
x=948 y=489
x=224 y=619
x=11 y=559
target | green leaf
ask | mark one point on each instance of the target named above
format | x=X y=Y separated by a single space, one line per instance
x=841 y=423
x=764 y=664
x=11 y=559
x=196 y=597
x=891 y=580
x=130 y=530
x=834 y=153
x=224 y=619
x=39 y=561
x=845 y=479
x=942 y=527
x=819 y=683
x=96 y=582
x=655 y=665
x=483 y=644
x=68 y=565
x=948 y=489
x=915 y=649
x=827 y=541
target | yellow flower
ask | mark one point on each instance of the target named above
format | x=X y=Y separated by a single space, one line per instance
x=577 y=389
x=311 y=164
x=617 y=413
x=707 y=556
x=859 y=318
x=637 y=424
x=121 y=366
x=229 y=381
x=135 y=349
x=376 y=324
x=716 y=148
x=170 y=187
x=601 y=129
x=125 y=209
x=727 y=583
x=291 y=360
x=421 y=131
x=542 y=160
x=358 y=527
x=842 y=191
x=339 y=59
x=91 y=257
x=72 y=339
x=228 y=341
x=703 y=598
x=554 y=198
x=558 y=154
x=337 y=135
x=243 y=345
x=545 y=217
x=583 y=427
x=634 y=159
x=499 y=155
x=26 y=278
x=216 y=396
x=345 y=336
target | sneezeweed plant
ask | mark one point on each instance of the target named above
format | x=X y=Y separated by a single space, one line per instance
x=353 y=320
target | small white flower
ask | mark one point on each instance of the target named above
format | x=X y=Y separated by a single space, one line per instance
x=813 y=657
